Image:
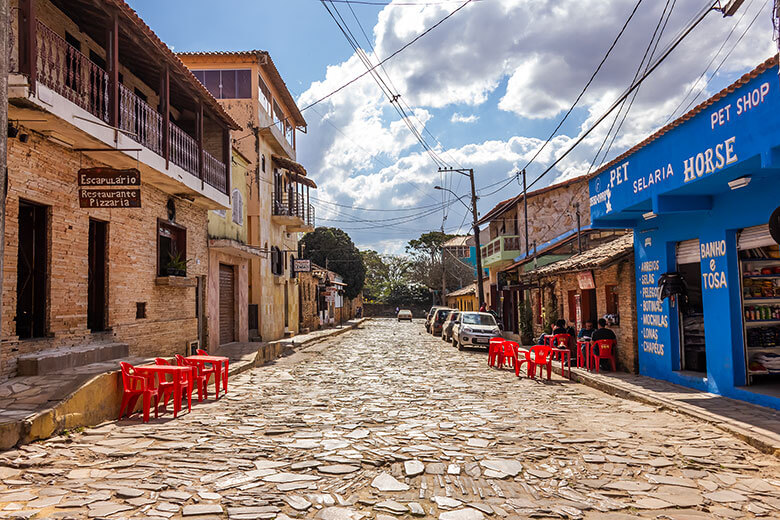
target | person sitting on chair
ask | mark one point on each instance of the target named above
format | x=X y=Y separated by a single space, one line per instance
x=560 y=327
x=587 y=331
x=602 y=333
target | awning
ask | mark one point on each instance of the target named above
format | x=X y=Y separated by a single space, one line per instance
x=296 y=170
x=235 y=248
x=596 y=258
x=302 y=180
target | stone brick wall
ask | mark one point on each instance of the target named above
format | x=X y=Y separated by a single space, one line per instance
x=620 y=274
x=45 y=173
x=307 y=285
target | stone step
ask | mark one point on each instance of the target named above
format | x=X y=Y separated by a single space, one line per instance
x=56 y=360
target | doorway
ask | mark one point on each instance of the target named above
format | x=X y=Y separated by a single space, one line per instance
x=286 y=307
x=97 y=288
x=589 y=306
x=227 y=299
x=32 y=263
x=692 y=350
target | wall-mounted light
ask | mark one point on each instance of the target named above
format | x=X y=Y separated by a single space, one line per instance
x=12 y=131
x=24 y=137
x=649 y=215
x=739 y=182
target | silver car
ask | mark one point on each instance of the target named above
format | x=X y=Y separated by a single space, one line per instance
x=446 y=329
x=474 y=329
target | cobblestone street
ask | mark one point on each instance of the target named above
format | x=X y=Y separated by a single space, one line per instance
x=388 y=422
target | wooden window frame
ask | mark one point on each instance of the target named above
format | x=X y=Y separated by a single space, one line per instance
x=181 y=236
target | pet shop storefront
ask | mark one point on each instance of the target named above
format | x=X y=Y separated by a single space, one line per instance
x=702 y=196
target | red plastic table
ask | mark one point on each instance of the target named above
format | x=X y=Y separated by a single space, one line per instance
x=221 y=363
x=149 y=371
x=565 y=355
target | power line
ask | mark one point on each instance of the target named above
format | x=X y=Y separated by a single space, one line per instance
x=393 y=4
x=628 y=92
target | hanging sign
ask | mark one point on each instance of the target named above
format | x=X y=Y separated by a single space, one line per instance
x=585 y=280
x=578 y=309
x=302 y=266
x=110 y=198
x=109 y=177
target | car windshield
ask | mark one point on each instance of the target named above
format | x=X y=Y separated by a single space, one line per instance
x=478 y=319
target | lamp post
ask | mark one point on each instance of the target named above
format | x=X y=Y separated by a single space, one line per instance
x=469 y=172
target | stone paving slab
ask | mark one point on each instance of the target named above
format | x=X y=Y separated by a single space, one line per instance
x=491 y=446
x=756 y=425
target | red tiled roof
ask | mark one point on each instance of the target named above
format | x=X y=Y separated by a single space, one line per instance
x=769 y=63
x=147 y=31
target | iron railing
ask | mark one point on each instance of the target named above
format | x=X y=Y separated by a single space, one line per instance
x=293 y=204
x=64 y=69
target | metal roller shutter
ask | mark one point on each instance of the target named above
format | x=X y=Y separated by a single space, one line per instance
x=688 y=252
x=753 y=237
x=226 y=304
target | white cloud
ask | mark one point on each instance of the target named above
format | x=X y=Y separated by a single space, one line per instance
x=457 y=117
x=530 y=59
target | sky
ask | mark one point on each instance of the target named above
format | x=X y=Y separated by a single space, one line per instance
x=484 y=89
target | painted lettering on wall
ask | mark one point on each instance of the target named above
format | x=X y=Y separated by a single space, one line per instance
x=660 y=174
x=710 y=160
x=653 y=315
x=714 y=279
x=745 y=102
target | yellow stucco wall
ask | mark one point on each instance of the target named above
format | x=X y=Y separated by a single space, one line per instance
x=222 y=224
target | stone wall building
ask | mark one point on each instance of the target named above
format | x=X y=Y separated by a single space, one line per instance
x=250 y=88
x=85 y=266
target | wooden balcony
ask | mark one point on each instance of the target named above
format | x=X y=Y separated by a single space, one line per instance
x=292 y=211
x=501 y=249
x=48 y=73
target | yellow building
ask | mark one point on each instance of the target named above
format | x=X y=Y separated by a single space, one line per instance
x=464 y=299
x=249 y=87
x=227 y=305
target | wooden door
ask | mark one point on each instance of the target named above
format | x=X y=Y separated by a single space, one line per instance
x=227 y=323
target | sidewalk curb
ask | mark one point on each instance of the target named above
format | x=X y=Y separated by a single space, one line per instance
x=761 y=442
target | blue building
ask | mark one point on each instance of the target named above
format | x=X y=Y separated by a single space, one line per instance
x=699 y=194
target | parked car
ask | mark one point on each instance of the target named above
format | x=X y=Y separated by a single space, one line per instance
x=474 y=329
x=429 y=317
x=404 y=314
x=446 y=328
x=438 y=320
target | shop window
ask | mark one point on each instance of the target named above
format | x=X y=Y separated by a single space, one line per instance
x=171 y=249
x=572 y=301
x=292 y=266
x=612 y=299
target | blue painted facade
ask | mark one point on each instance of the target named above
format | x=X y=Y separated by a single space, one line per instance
x=675 y=188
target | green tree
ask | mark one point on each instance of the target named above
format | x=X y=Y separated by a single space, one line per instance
x=376 y=275
x=332 y=248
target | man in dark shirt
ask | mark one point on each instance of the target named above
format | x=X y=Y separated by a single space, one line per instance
x=560 y=327
x=603 y=333
x=587 y=331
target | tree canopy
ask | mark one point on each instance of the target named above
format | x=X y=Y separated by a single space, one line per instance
x=334 y=249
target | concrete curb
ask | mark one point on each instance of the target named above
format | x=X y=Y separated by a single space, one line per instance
x=763 y=443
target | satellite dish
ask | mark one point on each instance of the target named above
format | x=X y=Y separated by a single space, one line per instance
x=774 y=225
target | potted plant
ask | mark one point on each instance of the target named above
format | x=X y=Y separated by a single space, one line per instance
x=177 y=265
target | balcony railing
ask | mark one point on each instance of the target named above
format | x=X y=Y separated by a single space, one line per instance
x=65 y=70
x=292 y=204
x=140 y=120
x=500 y=249
x=68 y=72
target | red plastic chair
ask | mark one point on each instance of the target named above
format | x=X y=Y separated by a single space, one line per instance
x=539 y=356
x=496 y=352
x=200 y=376
x=166 y=388
x=606 y=350
x=510 y=352
x=582 y=353
x=561 y=341
x=131 y=393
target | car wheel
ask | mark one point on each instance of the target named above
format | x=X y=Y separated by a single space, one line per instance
x=460 y=345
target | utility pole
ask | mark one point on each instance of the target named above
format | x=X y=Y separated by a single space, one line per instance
x=3 y=124
x=579 y=229
x=525 y=212
x=469 y=172
x=443 y=271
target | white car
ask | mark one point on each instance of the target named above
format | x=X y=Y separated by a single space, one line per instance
x=404 y=314
x=474 y=329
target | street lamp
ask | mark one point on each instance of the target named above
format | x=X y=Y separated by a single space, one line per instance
x=456 y=196
x=469 y=172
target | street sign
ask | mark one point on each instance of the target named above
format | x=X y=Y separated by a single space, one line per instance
x=110 y=198
x=302 y=266
x=109 y=177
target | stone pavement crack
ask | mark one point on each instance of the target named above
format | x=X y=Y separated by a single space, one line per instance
x=388 y=422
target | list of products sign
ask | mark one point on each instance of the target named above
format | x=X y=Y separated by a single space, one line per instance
x=653 y=315
x=109 y=188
